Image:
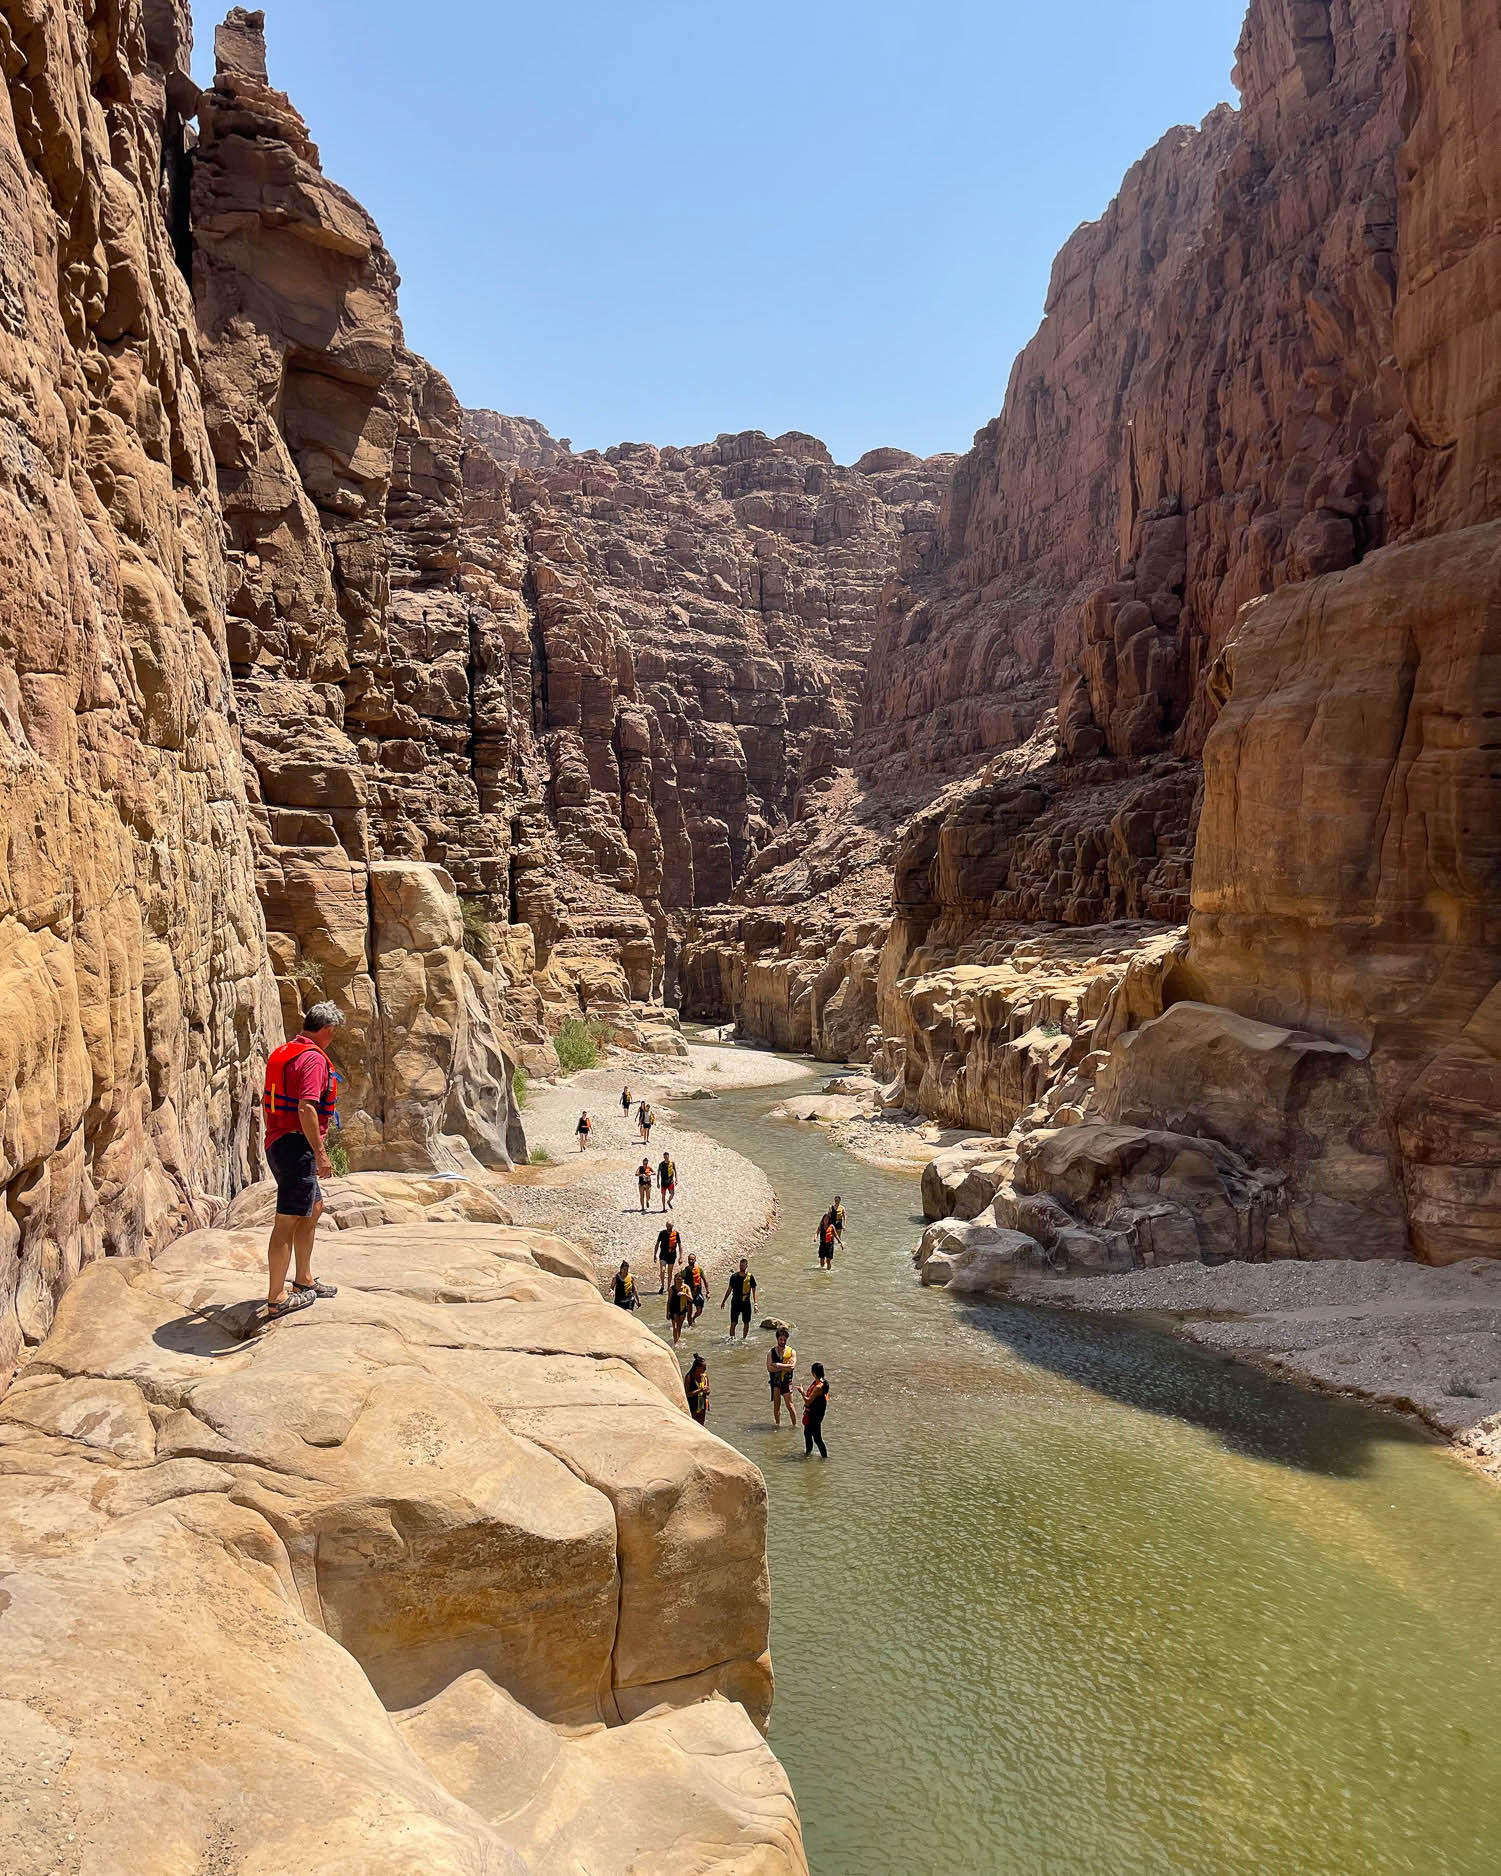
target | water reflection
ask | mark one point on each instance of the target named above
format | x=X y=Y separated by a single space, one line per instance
x=1070 y=1599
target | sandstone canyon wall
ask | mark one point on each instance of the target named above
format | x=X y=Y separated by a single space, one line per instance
x=133 y=982
x=1270 y=374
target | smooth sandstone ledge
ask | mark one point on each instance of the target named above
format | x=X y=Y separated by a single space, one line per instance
x=436 y=1575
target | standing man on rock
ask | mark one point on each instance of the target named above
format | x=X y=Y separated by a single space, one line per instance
x=302 y=1087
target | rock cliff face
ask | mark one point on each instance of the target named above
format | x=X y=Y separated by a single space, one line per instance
x=1297 y=433
x=445 y=1578
x=133 y=985
x=703 y=621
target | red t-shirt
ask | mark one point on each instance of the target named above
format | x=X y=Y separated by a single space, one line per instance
x=306 y=1078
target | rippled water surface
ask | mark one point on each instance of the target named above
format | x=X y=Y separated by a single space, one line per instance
x=1069 y=1599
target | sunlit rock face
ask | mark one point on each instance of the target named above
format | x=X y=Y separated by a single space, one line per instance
x=133 y=984
x=1213 y=601
x=440 y=1569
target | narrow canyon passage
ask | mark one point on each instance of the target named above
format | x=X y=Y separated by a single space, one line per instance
x=1069 y=1597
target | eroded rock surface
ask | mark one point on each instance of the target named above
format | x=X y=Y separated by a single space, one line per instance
x=329 y=1592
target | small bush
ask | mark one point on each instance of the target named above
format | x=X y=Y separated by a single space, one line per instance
x=307 y=973
x=1461 y=1390
x=1051 y=1029
x=541 y=1156
x=476 y=922
x=519 y=1086
x=577 y=1045
x=338 y=1158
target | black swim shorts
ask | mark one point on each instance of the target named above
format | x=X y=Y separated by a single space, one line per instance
x=296 y=1175
x=740 y=1312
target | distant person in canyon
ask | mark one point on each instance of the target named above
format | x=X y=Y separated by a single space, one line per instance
x=301 y=1092
x=828 y=1237
x=668 y=1246
x=740 y=1291
x=698 y=1283
x=815 y=1406
x=679 y=1305
x=696 y=1387
x=781 y=1366
x=625 y=1100
x=667 y=1181
x=643 y=1184
x=836 y=1213
x=584 y=1129
x=645 y=1119
x=625 y=1288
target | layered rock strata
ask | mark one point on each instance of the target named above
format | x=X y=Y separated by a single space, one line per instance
x=437 y=1574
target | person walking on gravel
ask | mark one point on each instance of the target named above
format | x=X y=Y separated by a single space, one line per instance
x=781 y=1365
x=625 y=1288
x=300 y=1098
x=668 y=1246
x=625 y=1100
x=741 y=1292
x=667 y=1181
x=584 y=1129
x=647 y=1120
x=643 y=1184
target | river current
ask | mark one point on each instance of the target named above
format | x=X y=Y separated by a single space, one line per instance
x=1072 y=1599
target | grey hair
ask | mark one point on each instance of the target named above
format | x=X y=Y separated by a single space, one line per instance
x=322 y=1016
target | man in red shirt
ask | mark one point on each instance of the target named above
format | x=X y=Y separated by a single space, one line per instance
x=301 y=1088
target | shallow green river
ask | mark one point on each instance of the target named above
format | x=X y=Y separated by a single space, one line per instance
x=1069 y=1599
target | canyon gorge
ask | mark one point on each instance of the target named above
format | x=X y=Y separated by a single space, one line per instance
x=1124 y=792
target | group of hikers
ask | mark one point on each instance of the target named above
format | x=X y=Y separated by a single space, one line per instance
x=682 y=1280
x=645 y=1121
x=299 y=1103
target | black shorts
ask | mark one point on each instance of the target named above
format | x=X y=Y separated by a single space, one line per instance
x=296 y=1176
x=784 y=1388
x=667 y=1259
x=740 y=1312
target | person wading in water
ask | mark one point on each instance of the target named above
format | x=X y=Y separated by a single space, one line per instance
x=668 y=1246
x=302 y=1087
x=815 y=1405
x=625 y=1288
x=741 y=1291
x=781 y=1365
x=698 y=1283
x=584 y=1129
x=643 y=1184
x=827 y=1238
x=667 y=1180
x=696 y=1387
x=679 y=1305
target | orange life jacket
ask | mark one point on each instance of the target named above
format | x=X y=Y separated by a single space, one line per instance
x=276 y=1100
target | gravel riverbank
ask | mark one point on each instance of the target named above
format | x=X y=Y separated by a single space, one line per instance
x=725 y=1204
x=1407 y=1337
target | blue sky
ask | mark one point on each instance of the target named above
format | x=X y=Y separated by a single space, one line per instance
x=653 y=220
